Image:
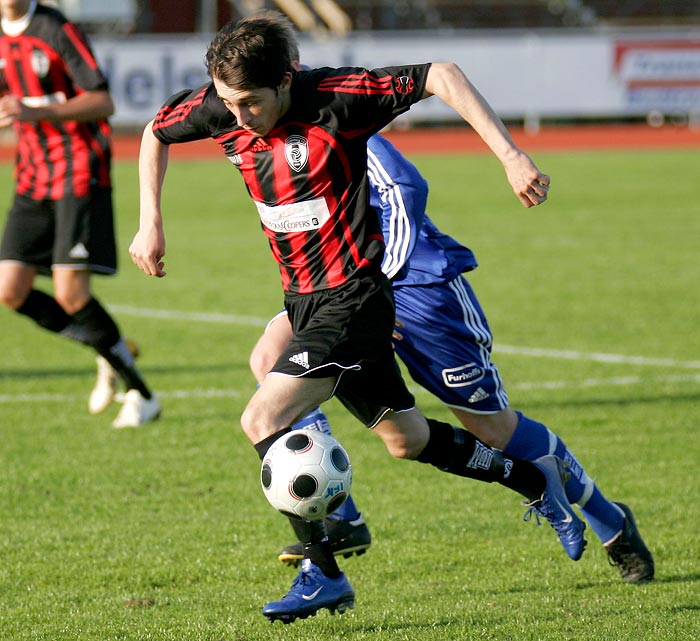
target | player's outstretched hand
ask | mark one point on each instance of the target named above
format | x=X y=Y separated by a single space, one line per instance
x=147 y=251
x=530 y=185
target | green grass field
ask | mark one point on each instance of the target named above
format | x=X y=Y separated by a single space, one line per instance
x=162 y=533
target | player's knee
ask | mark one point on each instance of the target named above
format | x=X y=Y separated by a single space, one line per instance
x=404 y=434
x=403 y=451
x=260 y=362
x=403 y=446
x=249 y=423
x=11 y=297
x=495 y=430
x=258 y=423
x=71 y=302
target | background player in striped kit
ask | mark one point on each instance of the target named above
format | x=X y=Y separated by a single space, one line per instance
x=61 y=221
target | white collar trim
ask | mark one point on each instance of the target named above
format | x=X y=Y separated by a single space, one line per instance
x=16 y=27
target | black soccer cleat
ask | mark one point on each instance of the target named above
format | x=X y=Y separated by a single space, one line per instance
x=628 y=552
x=346 y=538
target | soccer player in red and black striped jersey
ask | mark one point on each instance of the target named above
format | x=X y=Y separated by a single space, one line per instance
x=299 y=140
x=61 y=222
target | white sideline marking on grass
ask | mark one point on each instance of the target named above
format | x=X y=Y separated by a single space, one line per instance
x=233 y=319
x=595 y=356
x=232 y=393
x=602 y=382
x=225 y=319
x=60 y=398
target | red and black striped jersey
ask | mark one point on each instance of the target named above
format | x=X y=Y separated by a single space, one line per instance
x=308 y=175
x=51 y=61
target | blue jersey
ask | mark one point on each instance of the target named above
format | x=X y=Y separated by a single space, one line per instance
x=441 y=333
x=400 y=194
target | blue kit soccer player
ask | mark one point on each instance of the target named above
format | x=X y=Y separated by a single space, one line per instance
x=443 y=338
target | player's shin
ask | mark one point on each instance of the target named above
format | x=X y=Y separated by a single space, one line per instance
x=457 y=451
x=317 y=547
x=532 y=440
x=311 y=533
x=92 y=325
x=44 y=311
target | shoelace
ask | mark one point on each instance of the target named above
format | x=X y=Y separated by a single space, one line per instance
x=527 y=517
x=301 y=579
x=538 y=509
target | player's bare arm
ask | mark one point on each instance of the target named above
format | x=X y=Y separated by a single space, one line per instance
x=90 y=105
x=148 y=247
x=448 y=82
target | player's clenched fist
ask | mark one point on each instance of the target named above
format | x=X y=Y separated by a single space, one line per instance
x=147 y=250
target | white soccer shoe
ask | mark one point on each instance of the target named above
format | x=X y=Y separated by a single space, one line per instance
x=137 y=410
x=104 y=393
x=105 y=388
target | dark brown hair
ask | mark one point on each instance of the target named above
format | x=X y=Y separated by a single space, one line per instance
x=252 y=53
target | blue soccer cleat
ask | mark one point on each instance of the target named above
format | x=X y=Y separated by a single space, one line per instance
x=310 y=592
x=555 y=507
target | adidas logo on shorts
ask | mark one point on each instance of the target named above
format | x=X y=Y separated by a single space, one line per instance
x=302 y=359
x=79 y=251
x=479 y=395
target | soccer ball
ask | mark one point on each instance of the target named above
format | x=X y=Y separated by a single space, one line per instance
x=306 y=474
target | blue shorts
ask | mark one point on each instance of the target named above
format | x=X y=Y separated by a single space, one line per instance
x=444 y=340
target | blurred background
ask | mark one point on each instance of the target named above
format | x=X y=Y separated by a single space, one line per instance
x=536 y=61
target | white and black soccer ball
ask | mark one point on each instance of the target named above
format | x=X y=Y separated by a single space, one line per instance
x=306 y=474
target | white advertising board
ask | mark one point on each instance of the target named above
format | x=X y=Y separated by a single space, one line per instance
x=524 y=75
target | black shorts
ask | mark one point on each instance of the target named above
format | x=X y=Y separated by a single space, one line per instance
x=345 y=333
x=71 y=233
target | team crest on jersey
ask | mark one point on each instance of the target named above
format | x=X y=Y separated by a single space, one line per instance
x=404 y=85
x=40 y=63
x=296 y=151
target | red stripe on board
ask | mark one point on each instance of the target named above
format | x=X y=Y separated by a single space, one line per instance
x=458 y=140
x=672 y=84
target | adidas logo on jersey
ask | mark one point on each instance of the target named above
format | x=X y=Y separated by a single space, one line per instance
x=79 y=251
x=260 y=145
x=479 y=395
x=302 y=359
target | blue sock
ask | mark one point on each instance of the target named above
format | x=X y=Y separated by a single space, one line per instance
x=317 y=420
x=347 y=512
x=604 y=517
x=531 y=440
